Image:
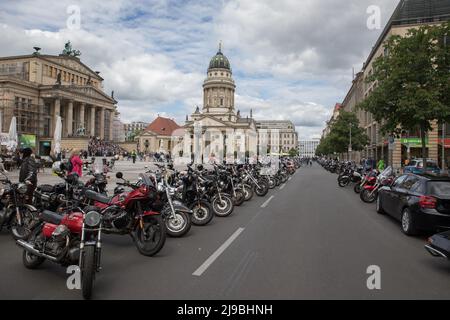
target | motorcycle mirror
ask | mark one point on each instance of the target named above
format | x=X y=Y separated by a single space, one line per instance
x=119 y=175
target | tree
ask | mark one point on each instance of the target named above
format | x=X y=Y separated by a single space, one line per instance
x=413 y=84
x=340 y=133
x=293 y=152
x=338 y=140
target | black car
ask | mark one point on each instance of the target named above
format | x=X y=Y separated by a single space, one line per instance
x=439 y=245
x=420 y=202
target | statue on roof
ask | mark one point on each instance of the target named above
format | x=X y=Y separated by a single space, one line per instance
x=68 y=51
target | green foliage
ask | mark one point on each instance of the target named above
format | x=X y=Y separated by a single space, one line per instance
x=339 y=138
x=293 y=152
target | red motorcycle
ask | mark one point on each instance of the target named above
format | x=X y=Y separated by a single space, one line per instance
x=130 y=213
x=70 y=239
x=369 y=192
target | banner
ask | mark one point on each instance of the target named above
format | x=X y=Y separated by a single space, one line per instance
x=27 y=141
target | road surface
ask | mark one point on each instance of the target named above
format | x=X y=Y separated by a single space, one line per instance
x=308 y=239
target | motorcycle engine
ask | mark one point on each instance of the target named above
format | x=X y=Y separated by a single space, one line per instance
x=117 y=217
x=58 y=241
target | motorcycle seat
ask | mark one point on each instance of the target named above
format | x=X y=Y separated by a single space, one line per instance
x=51 y=217
x=97 y=197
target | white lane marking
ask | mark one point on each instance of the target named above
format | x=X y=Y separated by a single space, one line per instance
x=282 y=186
x=217 y=253
x=267 y=202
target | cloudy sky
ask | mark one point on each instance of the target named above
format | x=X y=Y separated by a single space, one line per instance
x=291 y=59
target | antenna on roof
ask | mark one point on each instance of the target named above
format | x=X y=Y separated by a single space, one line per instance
x=220 y=46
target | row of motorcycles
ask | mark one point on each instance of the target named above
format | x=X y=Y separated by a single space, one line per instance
x=366 y=182
x=64 y=223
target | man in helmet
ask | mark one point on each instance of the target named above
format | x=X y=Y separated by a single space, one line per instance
x=28 y=172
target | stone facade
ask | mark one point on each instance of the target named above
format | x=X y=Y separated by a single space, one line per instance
x=218 y=116
x=37 y=88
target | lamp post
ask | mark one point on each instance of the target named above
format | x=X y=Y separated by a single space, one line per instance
x=350 y=145
x=444 y=125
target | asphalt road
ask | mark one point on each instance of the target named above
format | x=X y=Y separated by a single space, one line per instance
x=311 y=240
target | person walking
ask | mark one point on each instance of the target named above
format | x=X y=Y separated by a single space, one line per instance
x=77 y=163
x=28 y=173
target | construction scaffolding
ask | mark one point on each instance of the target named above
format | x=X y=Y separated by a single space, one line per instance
x=31 y=118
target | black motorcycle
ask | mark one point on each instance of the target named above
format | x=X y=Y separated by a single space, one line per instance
x=15 y=214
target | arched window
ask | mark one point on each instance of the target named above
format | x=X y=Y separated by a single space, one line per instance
x=221 y=101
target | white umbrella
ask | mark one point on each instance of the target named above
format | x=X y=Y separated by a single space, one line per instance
x=12 y=136
x=57 y=136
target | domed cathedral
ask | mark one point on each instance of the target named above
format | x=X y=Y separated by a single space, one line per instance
x=219 y=111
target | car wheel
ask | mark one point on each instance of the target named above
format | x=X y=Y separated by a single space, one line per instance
x=408 y=225
x=380 y=209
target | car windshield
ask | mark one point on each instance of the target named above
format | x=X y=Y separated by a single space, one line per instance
x=413 y=163
x=439 y=188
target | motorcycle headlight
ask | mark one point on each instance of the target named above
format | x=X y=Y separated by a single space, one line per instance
x=92 y=219
x=22 y=188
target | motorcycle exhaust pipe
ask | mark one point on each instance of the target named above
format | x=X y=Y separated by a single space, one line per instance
x=25 y=245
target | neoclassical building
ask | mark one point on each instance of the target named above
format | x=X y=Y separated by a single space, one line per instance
x=218 y=115
x=37 y=88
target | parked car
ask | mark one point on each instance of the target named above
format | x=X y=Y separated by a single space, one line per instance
x=439 y=245
x=416 y=166
x=420 y=202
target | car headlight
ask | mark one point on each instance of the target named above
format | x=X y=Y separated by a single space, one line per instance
x=92 y=219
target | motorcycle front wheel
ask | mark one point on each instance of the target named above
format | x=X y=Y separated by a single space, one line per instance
x=344 y=181
x=202 y=213
x=239 y=199
x=262 y=189
x=272 y=183
x=179 y=225
x=368 y=196
x=223 y=205
x=151 y=238
x=88 y=271
x=22 y=231
x=357 y=188
x=248 y=192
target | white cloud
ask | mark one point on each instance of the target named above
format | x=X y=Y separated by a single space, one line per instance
x=291 y=59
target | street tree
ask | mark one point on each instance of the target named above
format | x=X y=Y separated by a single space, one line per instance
x=412 y=82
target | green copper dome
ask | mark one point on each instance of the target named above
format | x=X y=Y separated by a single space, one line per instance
x=219 y=61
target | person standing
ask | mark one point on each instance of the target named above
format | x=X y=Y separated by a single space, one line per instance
x=133 y=156
x=28 y=173
x=77 y=163
x=380 y=165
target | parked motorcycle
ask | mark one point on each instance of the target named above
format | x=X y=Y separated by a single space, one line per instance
x=15 y=214
x=69 y=239
x=131 y=213
x=369 y=192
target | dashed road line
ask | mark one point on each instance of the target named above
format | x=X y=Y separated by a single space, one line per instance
x=267 y=202
x=217 y=253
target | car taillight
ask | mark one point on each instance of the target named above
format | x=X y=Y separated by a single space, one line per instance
x=427 y=202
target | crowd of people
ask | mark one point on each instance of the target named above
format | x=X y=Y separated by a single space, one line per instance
x=99 y=147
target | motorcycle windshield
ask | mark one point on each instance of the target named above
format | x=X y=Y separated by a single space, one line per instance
x=146 y=180
x=97 y=168
x=387 y=172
